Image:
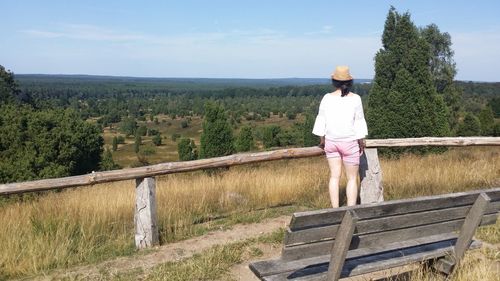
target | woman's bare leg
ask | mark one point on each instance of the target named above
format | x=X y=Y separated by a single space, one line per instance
x=351 y=172
x=335 y=165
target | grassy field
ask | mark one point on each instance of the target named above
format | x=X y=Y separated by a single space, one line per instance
x=91 y=224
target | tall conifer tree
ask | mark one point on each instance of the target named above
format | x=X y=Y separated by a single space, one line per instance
x=217 y=136
x=403 y=101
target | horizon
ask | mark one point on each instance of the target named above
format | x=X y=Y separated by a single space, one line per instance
x=226 y=40
x=218 y=78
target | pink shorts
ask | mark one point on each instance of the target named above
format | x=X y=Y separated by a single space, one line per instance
x=348 y=151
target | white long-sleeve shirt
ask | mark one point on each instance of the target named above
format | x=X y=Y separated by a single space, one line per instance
x=340 y=118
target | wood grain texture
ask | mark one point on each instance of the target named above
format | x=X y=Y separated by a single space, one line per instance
x=380 y=238
x=472 y=221
x=308 y=219
x=362 y=265
x=370 y=174
x=371 y=225
x=231 y=160
x=341 y=245
x=146 y=227
x=271 y=267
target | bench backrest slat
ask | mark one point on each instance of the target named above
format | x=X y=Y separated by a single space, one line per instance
x=380 y=238
x=366 y=226
x=313 y=219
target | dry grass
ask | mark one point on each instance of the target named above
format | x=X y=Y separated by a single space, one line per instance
x=472 y=267
x=456 y=170
x=90 y=224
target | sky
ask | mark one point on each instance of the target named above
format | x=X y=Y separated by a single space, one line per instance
x=232 y=39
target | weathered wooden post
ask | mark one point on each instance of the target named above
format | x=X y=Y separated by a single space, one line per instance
x=370 y=174
x=146 y=228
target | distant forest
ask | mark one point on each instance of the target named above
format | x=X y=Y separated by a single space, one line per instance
x=112 y=98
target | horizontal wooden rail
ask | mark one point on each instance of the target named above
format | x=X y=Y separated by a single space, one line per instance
x=225 y=161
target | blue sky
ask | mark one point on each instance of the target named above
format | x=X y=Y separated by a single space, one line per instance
x=231 y=39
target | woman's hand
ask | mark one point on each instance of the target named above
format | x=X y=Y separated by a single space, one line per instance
x=362 y=145
x=322 y=142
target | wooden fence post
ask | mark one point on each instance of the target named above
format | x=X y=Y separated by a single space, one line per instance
x=146 y=228
x=370 y=174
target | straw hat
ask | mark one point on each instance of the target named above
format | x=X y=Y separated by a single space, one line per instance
x=341 y=73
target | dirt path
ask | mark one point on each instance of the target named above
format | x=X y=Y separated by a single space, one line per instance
x=171 y=252
x=187 y=248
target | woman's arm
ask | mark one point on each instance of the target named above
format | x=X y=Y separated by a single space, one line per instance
x=362 y=145
x=322 y=142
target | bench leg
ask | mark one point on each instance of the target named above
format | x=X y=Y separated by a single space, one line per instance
x=341 y=245
x=472 y=221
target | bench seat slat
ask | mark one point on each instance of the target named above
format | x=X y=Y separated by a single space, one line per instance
x=271 y=267
x=380 y=238
x=386 y=260
x=309 y=219
x=384 y=224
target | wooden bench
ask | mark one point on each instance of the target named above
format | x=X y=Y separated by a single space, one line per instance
x=336 y=243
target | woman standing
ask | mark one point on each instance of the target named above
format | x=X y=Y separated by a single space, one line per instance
x=342 y=128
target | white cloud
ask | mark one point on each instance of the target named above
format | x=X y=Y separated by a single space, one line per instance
x=83 y=32
x=326 y=29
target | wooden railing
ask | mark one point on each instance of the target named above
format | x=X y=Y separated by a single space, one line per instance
x=145 y=216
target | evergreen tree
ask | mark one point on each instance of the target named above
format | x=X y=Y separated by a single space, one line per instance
x=156 y=139
x=308 y=138
x=8 y=86
x=487 y=120
x=245 y=141
x=37 y=144
x=107 y=162
x=494 y=103
x=128 y=126
x=496 y=129
x=186 y=148
x=470 y=126
x=217 y=136
x=137 y=143
x=403 y=101
x=115 y=143
x=270 y=136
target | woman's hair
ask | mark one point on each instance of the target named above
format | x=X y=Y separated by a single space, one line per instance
x=344 y=86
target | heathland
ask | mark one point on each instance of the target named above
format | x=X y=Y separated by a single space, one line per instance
x=91 y=224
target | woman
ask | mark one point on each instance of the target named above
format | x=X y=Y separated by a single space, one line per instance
x=342 y=128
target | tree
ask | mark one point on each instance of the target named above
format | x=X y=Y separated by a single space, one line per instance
x=8 y=86
x=403 y=101
x=107 y=162
x=307 y=136
x=443 y=71
x=245 y=141
x=157 y=139
x=142 y=131
x=186 y=148
x=36 y=144
x=270 y=136
x=175 y=136
x=487 y=120
x=137 y=143
x=217 y=136
x=115 y=143
x=470 y=126
x=128 y=126
x=496 y=129
x=494 y=103
x=184 y=124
